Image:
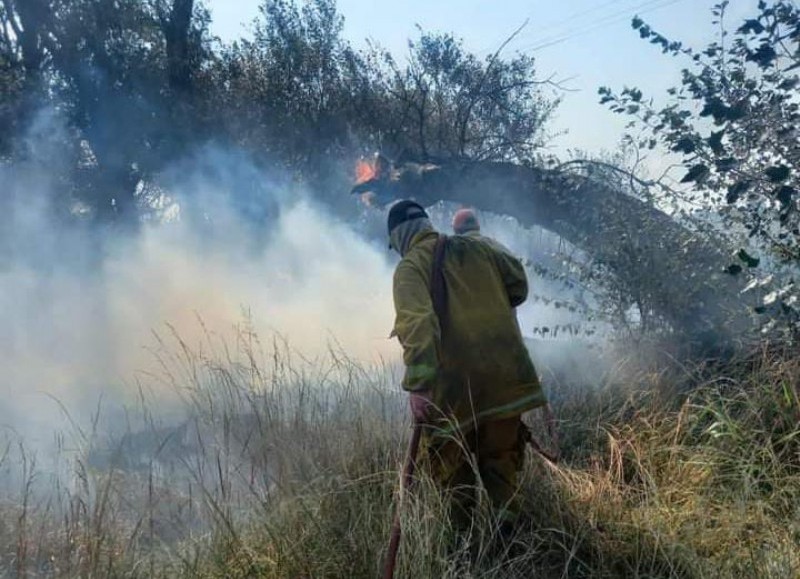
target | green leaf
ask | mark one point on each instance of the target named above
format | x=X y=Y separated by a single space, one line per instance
x=777 y=173
x=763 y=56
x=696 y=174
x=715 y=142
x=784 y=195
x=714 y=107
x=751 y=27
x=684 y=145
x=748 y=259
x=736 y=113
x=726 y=164
x=735 y=191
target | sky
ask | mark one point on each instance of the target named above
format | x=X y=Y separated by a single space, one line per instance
x=584 y=44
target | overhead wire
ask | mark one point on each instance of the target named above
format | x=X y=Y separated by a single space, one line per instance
x=611 y=19
x=624 y=12
x=568 y=19
x=582 y=14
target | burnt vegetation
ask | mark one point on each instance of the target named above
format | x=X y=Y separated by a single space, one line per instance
x=140 y=85
x=682 y=461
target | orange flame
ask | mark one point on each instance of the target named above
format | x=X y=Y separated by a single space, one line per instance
x=365 y=170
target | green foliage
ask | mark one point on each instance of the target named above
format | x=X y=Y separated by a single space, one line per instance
x=450 y=104
x=10 y=101
x=142 y=83
x=112 y=70
x=294 y=94
x=734 y=121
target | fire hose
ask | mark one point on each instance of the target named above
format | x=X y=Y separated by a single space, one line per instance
x=552 y=431
x=406 y=481
x=439 y=300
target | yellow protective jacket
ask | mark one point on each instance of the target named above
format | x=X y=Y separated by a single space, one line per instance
x=491 y=241
x=477 y=367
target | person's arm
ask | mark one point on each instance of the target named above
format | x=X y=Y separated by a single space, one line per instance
x=417 y=327
x=513 y=275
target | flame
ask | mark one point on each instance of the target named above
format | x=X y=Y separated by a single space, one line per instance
x=365 y=171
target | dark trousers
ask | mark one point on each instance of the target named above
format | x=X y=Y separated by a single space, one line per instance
x=496 y=450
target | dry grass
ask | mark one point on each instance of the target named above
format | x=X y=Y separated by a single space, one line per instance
x=287 y=467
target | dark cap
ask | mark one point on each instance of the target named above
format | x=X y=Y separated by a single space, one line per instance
x=403 y=211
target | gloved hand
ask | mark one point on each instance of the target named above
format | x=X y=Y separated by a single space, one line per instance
x=421 y=405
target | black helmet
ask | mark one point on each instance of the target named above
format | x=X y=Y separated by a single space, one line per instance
x=403 y=211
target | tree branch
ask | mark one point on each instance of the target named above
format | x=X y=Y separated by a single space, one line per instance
x=625 y=172
x=477 y=93
x=12 y=20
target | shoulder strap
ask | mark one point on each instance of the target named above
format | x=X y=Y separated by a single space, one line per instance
x=438 y=286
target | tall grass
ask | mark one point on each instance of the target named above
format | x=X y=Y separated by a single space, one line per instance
x=288 y=467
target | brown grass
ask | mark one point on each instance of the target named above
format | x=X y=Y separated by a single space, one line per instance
x=287 y=467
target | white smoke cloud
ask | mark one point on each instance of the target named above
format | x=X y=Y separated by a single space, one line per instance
x=78 y=306
x=73 y=332
x=562 y=358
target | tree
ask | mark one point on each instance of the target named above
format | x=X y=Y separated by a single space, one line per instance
x=298 y=95
x=289 y=95
x=663 y=267
x=446 y=103
x=115 y=68
x=11 y=85
x=735 y=122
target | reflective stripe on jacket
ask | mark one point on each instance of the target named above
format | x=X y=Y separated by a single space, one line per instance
x=477 y=368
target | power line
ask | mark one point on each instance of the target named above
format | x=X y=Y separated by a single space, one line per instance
x=603 y=22
x=643 y=8
x=609 y=19
x=559 y=23
x=580 y=15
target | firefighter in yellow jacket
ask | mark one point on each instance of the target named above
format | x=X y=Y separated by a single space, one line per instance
x=471 y=377
x=465 y=222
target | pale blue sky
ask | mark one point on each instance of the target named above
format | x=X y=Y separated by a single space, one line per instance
x=595 y=44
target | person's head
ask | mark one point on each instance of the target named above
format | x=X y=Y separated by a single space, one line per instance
x=464 y=221
x=406 y=219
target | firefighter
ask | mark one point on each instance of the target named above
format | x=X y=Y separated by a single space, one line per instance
x=465 y=222
x=469 y=375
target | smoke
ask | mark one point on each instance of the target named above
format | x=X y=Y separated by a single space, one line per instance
x=78 y=308
x=226 y=242
x=572 y=352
